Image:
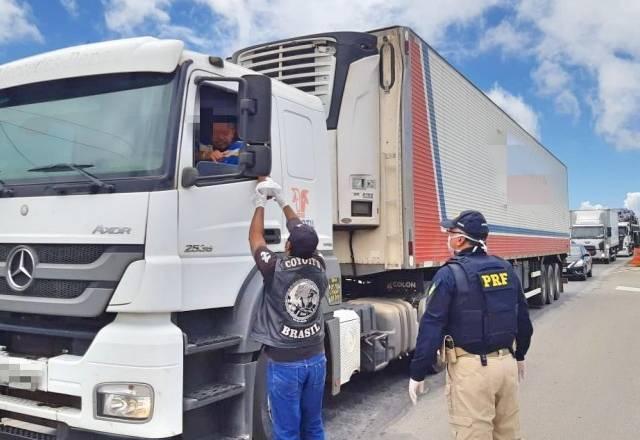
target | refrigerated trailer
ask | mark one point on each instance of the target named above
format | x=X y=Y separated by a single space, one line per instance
x=127 y=289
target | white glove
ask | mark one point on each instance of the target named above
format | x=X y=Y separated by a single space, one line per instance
x=522 y=371
x=415 y=389
x=269 y=188
x=259 y=200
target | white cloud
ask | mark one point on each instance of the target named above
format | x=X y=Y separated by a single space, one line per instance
x=588 y=205
x=632 y=201
x=516 y=108
x=506 y=37
x=552 y=80
x=185 y=34
x=589 y=40
x=127 y=16
x=550 y=77
x=251 y=21
x=16 y=24
x=71 y=6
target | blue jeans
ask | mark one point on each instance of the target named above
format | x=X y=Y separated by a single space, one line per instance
x=295 y=398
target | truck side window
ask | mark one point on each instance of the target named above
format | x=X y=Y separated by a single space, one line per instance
x=217 y=147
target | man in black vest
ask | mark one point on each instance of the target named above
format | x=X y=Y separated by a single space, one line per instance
x=290 y=323
x=477 y=307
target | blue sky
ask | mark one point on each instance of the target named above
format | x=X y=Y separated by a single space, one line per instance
x=567 y=70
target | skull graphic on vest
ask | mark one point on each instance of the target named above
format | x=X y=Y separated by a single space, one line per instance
x=302 y=300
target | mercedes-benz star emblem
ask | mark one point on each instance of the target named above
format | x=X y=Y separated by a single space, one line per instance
x=24 y=210
x=21 y=264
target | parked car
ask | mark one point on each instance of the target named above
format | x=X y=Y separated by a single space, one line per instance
x=579 y=263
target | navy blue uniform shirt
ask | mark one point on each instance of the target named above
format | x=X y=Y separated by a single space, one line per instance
x=434 y=322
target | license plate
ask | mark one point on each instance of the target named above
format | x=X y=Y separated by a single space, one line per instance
x=21 y=373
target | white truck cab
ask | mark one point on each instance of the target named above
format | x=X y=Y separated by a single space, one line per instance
x=122 y=255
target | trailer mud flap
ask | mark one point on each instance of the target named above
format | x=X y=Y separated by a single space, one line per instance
x=332 y=331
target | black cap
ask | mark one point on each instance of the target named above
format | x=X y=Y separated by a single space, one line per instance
x=303 y=239
x=472 y=223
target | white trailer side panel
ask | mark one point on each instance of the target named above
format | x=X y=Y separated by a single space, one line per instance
x=468 y=154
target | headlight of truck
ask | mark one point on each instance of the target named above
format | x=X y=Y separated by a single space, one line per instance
x=124 y=401
x=579 y=263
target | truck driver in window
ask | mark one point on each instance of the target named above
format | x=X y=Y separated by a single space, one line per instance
x=225 y=145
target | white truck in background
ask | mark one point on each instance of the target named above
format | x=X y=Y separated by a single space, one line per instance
x=628 y=231
x=127 y=289
x=596 y=230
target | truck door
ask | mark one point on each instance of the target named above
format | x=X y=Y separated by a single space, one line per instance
x=214 y=215
x=304 y=162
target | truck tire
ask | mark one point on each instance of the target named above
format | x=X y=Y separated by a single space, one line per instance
x=550 y=284
x=557 y=279
x=262 y=429
x=541 y=298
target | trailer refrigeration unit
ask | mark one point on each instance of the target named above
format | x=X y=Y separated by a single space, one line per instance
x=596 y=230
x=127 y=290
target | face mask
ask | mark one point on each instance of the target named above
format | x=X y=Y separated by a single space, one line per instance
x=451 y=250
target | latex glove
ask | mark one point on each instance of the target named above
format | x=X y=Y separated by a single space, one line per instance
x=270 y=189
x=259 y=200
x=415 y=389
x=521 y=371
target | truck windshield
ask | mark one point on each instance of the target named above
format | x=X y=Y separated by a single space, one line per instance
x=118 y=123
x=587 y=232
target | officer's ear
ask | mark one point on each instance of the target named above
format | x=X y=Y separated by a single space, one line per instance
x=287 y=246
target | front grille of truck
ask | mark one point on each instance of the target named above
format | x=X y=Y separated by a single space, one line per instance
x=25 y=433
x=47 y=336
x=60 y=253
x=307 y=64
x=75 y=279
x=45 y=398
x=60 y=289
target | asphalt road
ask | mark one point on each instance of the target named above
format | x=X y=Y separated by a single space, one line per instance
x=583 y=374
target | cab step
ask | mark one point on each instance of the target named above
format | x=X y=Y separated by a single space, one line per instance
x=210 y=393
x=209 y=343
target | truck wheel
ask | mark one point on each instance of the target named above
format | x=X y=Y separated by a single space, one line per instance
x=541 y=298
x=557 y=278
x=608 y=260
x=550 y=284
x=261 y=414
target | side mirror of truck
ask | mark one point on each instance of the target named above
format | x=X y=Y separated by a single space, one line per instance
x=255 y=160
x=254 y=109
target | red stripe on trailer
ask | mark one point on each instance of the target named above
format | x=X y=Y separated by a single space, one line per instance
x=511 y=246
x=429 y=242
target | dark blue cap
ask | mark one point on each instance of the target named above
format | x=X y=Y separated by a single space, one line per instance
x=303 y=239
x=472 y=223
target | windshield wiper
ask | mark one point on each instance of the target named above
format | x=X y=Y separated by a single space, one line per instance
x=96 y=184
x=5 y=191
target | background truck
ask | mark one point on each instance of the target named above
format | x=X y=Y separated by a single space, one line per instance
x=595 y=229
x=127 y=289
x=628 y=231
